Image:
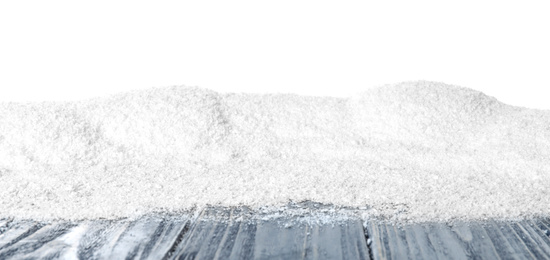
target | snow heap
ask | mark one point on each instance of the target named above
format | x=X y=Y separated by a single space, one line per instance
x=411 y=151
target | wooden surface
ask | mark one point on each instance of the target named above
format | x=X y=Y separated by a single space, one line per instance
x=226 y=234
x=272 y=239
x=202 y=237
x=529 y=239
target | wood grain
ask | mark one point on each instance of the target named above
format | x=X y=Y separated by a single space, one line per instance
x=231 y=234
x=528 y=239
x=223 y=236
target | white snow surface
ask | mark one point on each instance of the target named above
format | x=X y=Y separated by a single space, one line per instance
x=414 y=151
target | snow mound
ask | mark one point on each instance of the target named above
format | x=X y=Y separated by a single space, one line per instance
x=410 y=151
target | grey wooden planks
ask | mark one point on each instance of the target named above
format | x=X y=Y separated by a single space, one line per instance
x=273 y=239
x=226 y=234
x=27 y=238
x=214 y=234
x=145 y=238
x=528 y=239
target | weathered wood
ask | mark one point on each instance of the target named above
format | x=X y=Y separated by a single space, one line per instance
x=232 y=234
x=274 y=239
x=214 y=234
x=464 y=240
x=35 y=240
x=506 y=244
x=145 y=238
x=202 y=240
x=340 y=241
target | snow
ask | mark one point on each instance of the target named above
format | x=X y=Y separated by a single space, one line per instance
x=416 y=151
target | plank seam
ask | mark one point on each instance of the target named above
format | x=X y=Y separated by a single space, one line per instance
x=178 y=240
x=368 y=241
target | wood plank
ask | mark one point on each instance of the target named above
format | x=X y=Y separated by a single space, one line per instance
x=397 y=233
x=422 y=239
x=379 y=244
x=462 y=240
x=243 y=247
x=544 y=228
x=546 y=221
x=318 y=239
x=36 y=240
x=353 y=236
x=414 y=249
x=170 y=233
x=234 y=244
x=202 y=240
x=444 y=241
x=139 y=240
x=280 y=241
x=344 y=240
x=144 y=238
x=231 y=234
x=505 y=248
x=530 y=240
x=17 y=231
x=515 y=242
x=275 y=239
x=479 y=243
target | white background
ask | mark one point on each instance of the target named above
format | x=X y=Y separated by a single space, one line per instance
x=67 y=50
